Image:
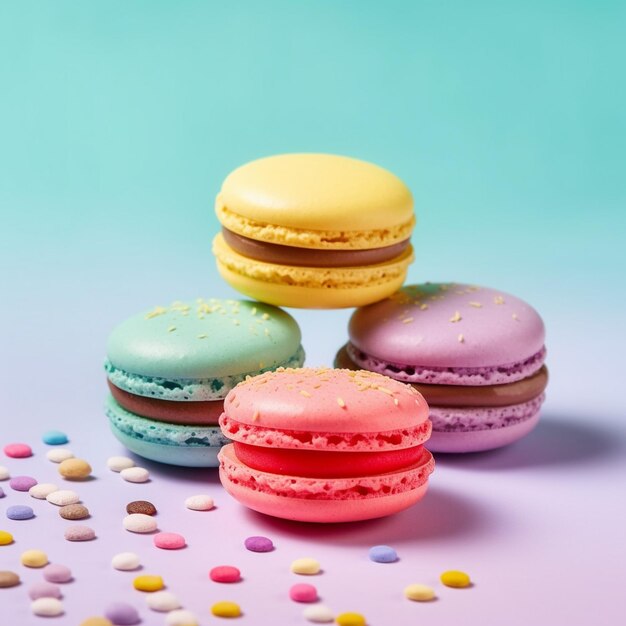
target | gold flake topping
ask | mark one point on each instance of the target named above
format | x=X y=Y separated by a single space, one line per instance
x=158 y=310
x=498 y=300
x=461 y=338
x=407 y=320
x=305 y=393
x=341 y=403
x=171 y=329
x=476 y=305
x=456 y=317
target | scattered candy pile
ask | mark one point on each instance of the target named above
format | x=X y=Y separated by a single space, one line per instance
x=46 y=595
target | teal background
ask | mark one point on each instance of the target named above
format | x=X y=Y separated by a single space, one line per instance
x=118 y=121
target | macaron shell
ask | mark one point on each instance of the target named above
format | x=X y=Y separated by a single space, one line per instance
x=317 y=192
x=448 y=325
x=480 y=440
x=319 y=500
x=204 y=340
x=310 y=287
x=324 y=400
x=193 y=446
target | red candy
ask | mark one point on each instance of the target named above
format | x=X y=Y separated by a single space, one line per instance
x=302 y=592
x=18 y=450
x=225 y=574
x=169 y=541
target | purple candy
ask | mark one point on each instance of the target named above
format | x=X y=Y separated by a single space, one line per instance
x=1 y=493
x=259 y=544
x=20 y=511
x=56 y=573
x=22 y=483
x=122 y=614
x=44 y=590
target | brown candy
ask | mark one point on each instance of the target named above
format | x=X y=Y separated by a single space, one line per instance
x=141 y=506
x=74 y=511
x=9 y=579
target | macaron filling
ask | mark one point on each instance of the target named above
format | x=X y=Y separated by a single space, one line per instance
x=198 y=412
x=310 y=257
x=322 y=464
x=415 y=373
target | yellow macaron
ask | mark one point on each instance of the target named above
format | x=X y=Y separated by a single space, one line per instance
x=314 y=231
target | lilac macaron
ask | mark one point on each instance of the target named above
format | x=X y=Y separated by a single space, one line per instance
x=476 y=354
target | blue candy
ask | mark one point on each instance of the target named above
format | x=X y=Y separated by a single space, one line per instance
x=54 y=438
x=383 y=554
x=20 y=511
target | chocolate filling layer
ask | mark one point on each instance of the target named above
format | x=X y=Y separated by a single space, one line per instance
x=189 y=413
x=309 y=257
x=470 y=396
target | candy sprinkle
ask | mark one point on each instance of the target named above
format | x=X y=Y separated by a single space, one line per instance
x=4 y=473
x=148 y=582
x=350 y=619
x=8 y=579
x=20 y=512
x=47 y=607
x=163 y=601
x=419 y=593
x=139 y=523
x=63 y=497
x=79 y=533
x=58 y=455
x=181 y=617
x=383 y=554
x=319 y=614
x=54 y=438
x=455 y=578
x=44 y=590
x=226 y=609
x=305 y=566
x=34 y=558
x=22 y=483
x=141 y=506
x=42 y=490
x=57 y=573
x=125 y=561
x=96 y=621
x=119 y=463
x=122 y=614
x=6 y=538
x=225 y=574
x=135 y=474
x=302 y=592
x=199 y=503
x=169 y=541
x=74 y=469
x=258 y=544
x=18 y=450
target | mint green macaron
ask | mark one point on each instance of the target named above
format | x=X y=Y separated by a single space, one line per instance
x=170 y=367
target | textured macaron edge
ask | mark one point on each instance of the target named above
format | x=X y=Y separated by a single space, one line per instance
x=326 y=488
x=312 y=277
x=162 y=433
x=317 y=239
x=187 y=389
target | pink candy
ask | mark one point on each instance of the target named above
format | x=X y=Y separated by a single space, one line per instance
x=169 y=541
x=302 y=592
x=18 y=450
x=225 y=574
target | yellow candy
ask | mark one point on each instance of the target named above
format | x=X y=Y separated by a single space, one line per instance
x=419 y=593
x=34 y=558
x=454 y=578
x=96 y=621
x=305 y=566
x=226 y=609
x=5 y=538
x=74 y=469
x=148 y=582
x=351 y=619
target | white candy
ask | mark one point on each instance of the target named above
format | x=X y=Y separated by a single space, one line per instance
x=58 y=455
x=125 y=561
x=162 y=601
x=42 y=490
x=135 y=474
x=318 y=613
x=119 y=463
x=63 y=497
x=140 y=523
x=199 y=503
x=181 y=618
x=47 y=607
x=4 y=473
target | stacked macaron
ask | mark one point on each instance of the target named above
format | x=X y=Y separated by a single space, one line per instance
x=476 y=354
x=170 y=368
x=325 y=445
x=314 y=231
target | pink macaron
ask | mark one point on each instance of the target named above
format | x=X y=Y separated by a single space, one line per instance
x=325 y=445
x=475 y=354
